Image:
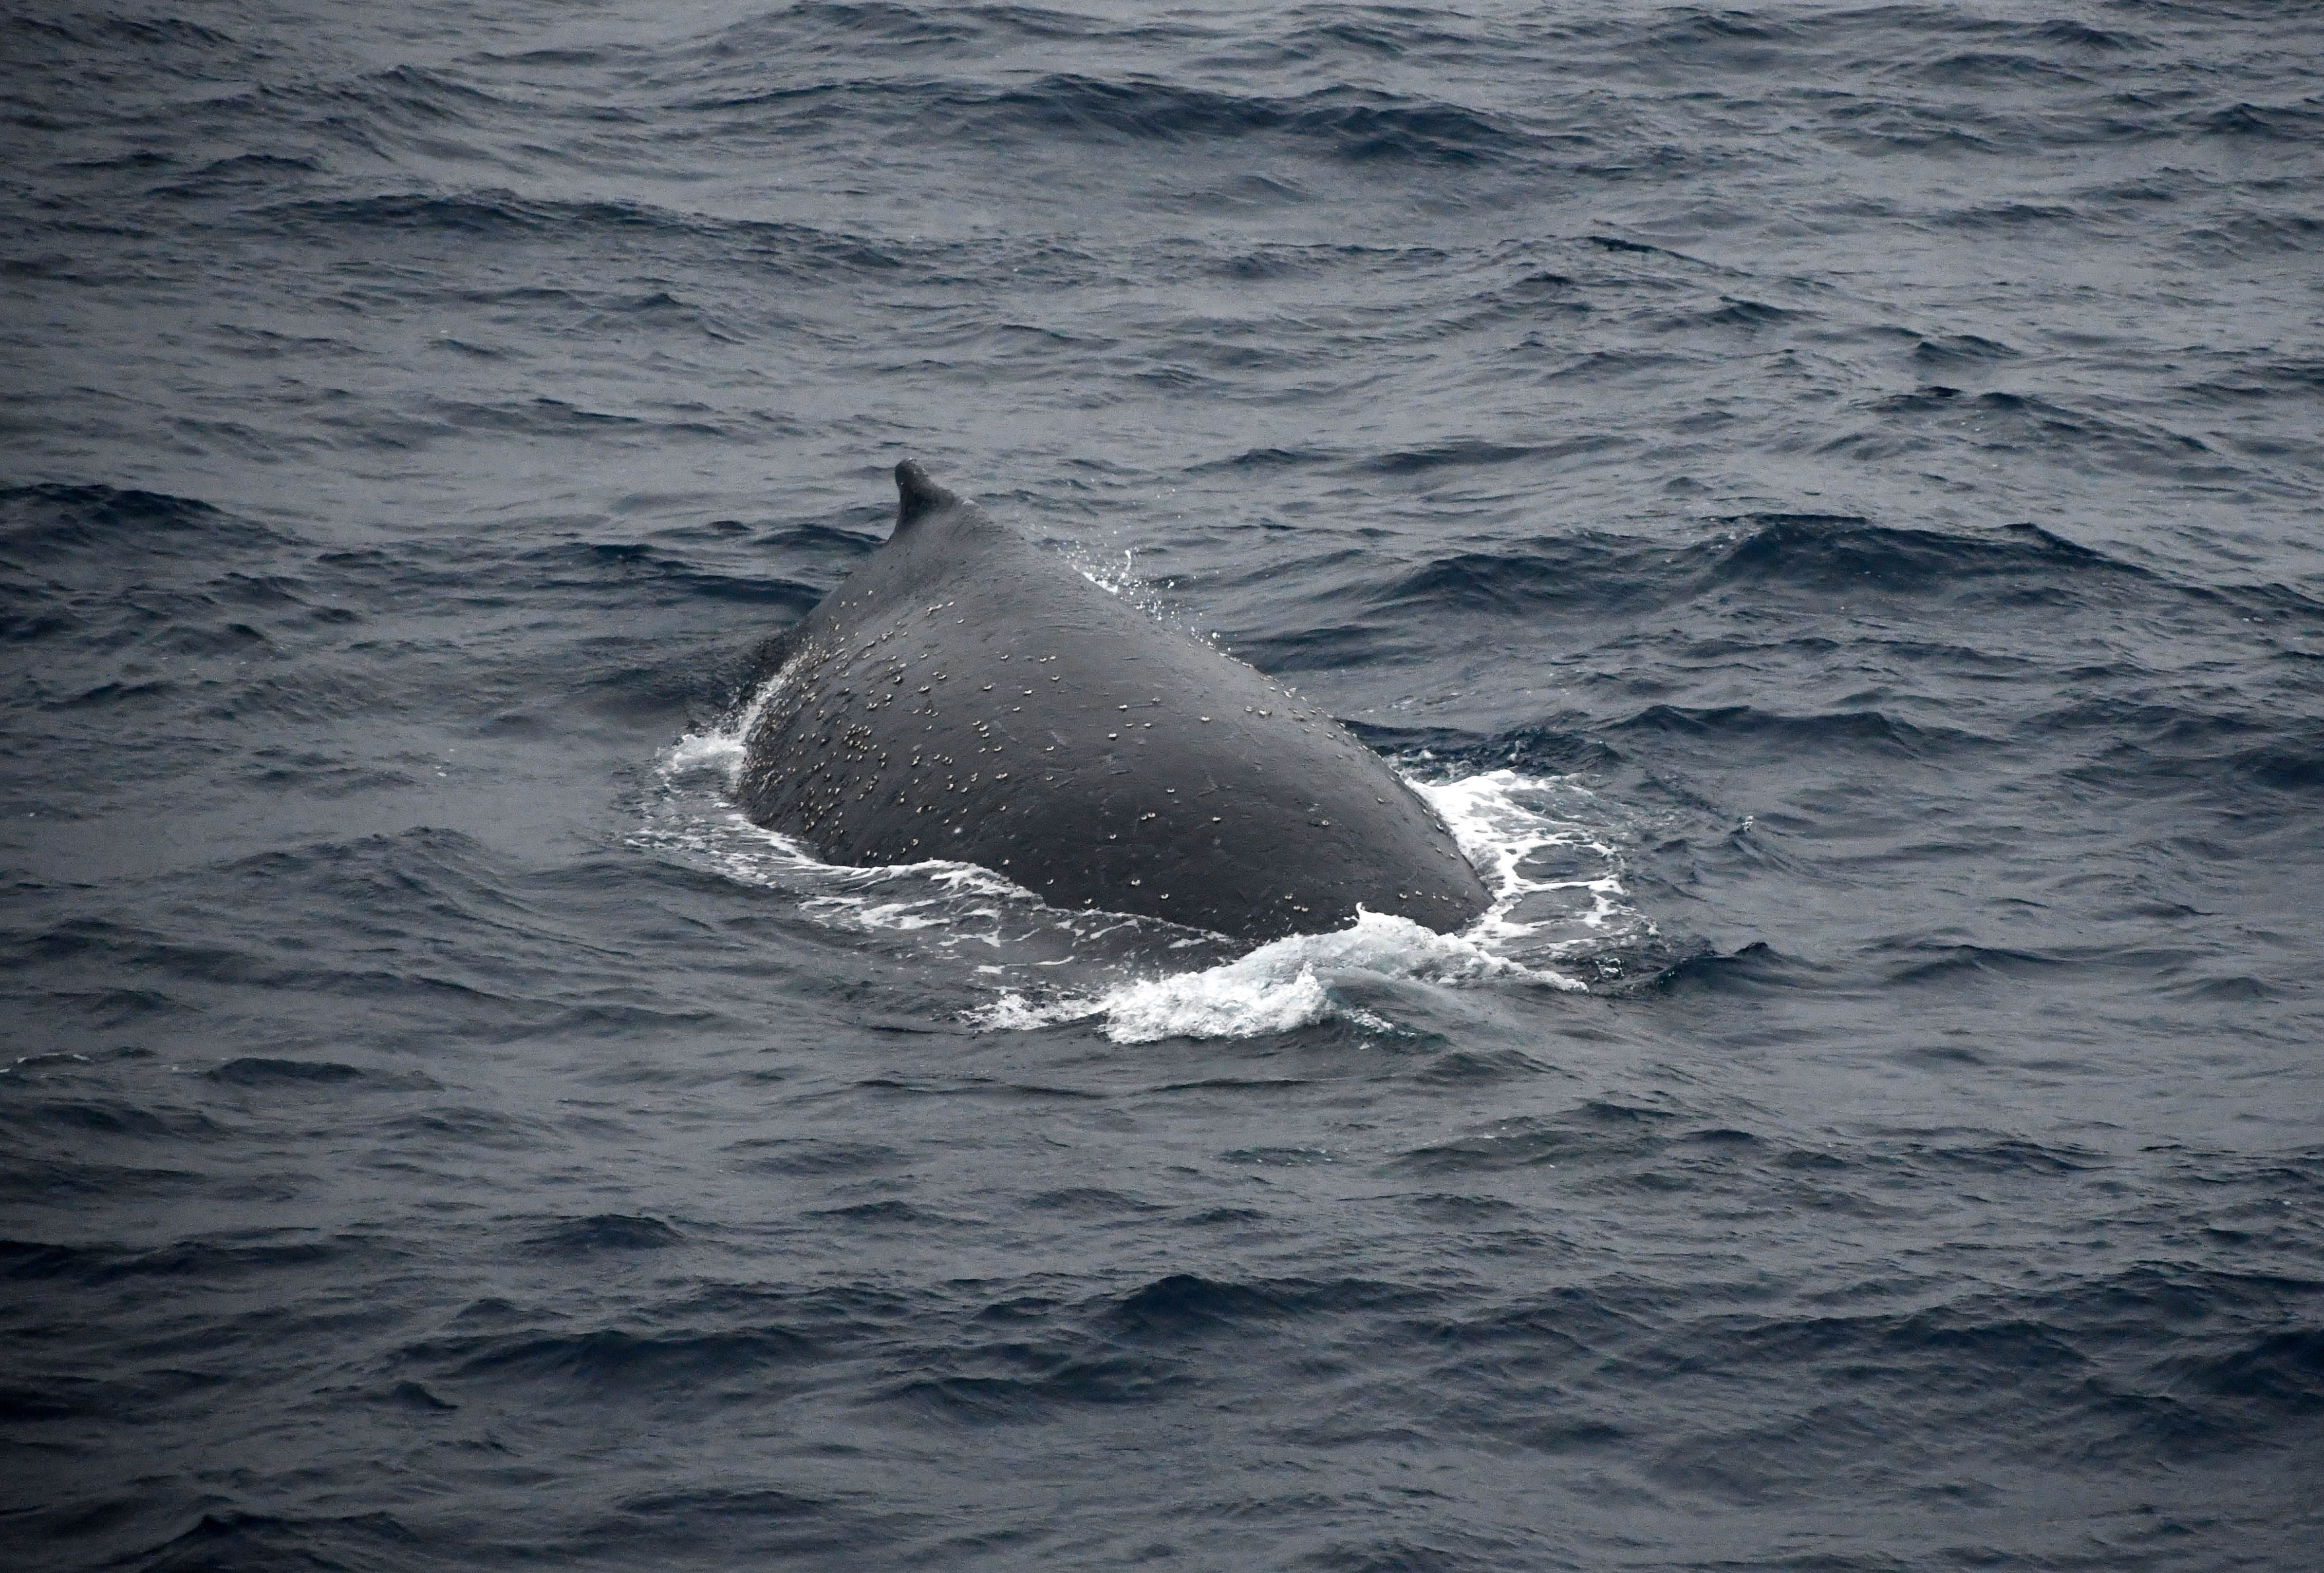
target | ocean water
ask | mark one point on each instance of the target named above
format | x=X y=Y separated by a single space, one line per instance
x=1829 y=499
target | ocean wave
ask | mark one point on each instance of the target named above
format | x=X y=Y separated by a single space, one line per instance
x=978 y=1397
x=837 y=26
x=261 y=1070
x=502 y=214
x=207 y=1262
x=1603 y=576
x=1472 y=453
x=1825 y=551
x=1591 y=1131
x=2000 y=422
x=1186 y=1305
x=1757 y=969
x=635 y=571
x=1962 y=349
x=2172 y=748
x=233 y=1539
x=1352 y=128
x=1349 y=124
x=577 y=1238
x=2276 y=232
x=610 y=1359
x=48 y=523
x=1979 y=67
x=2293 y=122
x=1817 y=732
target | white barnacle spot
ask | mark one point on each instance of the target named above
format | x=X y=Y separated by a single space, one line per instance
x=1206 y=720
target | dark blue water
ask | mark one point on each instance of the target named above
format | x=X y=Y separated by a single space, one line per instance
x=1835 y=497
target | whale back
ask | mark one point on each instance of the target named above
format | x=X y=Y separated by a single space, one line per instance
x=964 y=695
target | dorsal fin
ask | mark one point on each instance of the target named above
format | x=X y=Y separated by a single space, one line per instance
x=917 y=495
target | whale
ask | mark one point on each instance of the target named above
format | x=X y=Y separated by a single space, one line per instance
x=966 y=695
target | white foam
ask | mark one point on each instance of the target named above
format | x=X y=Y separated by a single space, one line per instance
x=1278 y=988
x=698 y=753
x=1113 y=581
x=1509 y=824
x=1124 y=583
x=720 y=749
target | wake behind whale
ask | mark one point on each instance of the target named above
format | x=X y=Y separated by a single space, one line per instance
x=965 y=696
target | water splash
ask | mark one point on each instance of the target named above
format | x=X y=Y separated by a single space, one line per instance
x=1550 y=849
x=1280 y=987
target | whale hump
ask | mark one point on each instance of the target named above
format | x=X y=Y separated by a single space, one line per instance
x=916 y=495
x=1112 y=764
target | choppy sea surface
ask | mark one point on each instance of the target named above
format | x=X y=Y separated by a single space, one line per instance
x=1829 y=499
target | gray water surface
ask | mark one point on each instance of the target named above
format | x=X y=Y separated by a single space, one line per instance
x=1855 y=469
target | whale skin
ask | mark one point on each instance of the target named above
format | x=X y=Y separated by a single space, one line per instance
x=965 y=695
